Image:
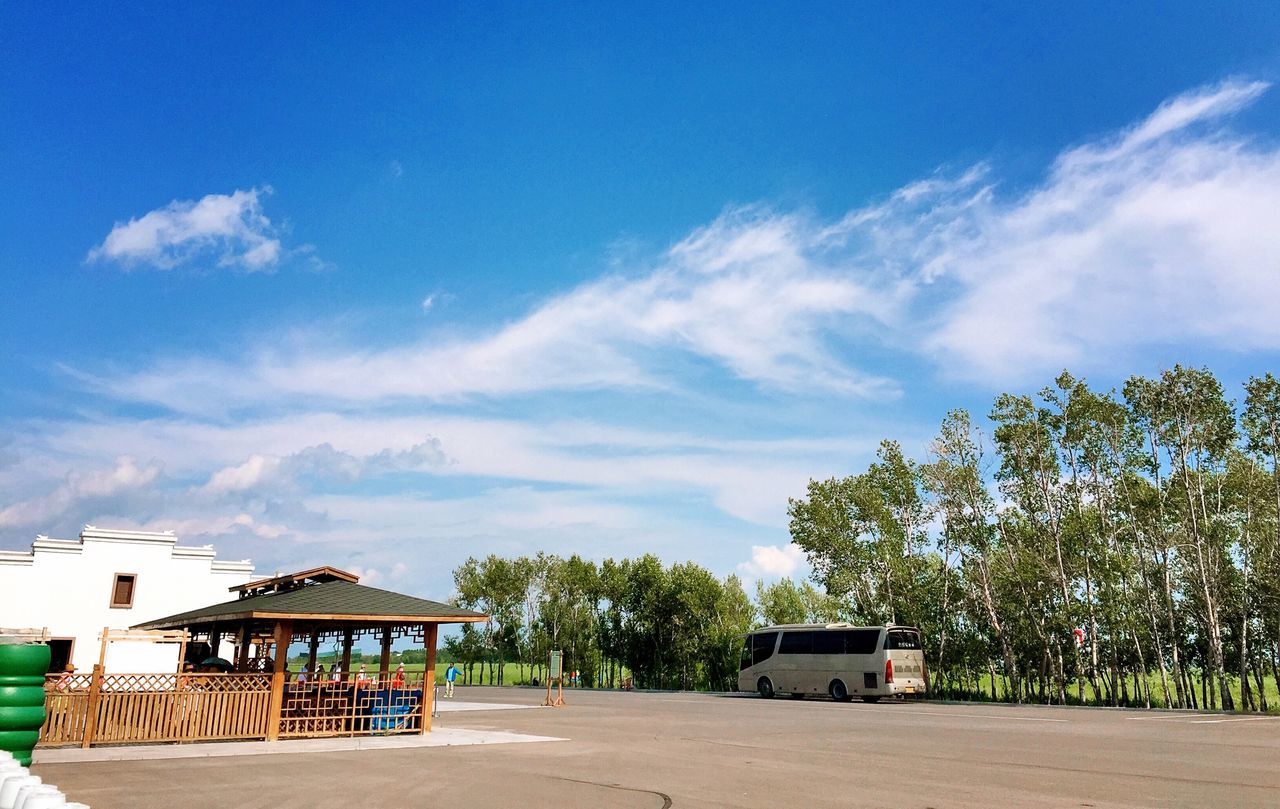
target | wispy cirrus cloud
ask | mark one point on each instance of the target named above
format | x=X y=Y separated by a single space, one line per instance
x=755 y=293
x=1165 y=235
x=1159 y=234
x=1162 y=235
x=229 y=228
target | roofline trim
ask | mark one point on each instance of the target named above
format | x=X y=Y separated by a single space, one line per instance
x=308 y=616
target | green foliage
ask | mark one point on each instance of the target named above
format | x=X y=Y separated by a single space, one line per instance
x=1146 y=526
x=1097 y=547
x=669 y=627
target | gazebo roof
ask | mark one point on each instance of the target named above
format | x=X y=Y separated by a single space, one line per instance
x=336 y=600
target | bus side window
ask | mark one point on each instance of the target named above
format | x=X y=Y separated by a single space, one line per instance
x=796 y=643
x=828 y=643
x=762 y=646
x=861 y=641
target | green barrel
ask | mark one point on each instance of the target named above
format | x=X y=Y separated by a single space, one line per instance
x=22 y=668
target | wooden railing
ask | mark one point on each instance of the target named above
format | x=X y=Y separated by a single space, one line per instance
x=363 y=704
x=89 y=709
x=115 y=708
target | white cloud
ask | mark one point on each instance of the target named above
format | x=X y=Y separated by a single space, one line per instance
x=230 y=227
x=1163 y=233
x=774 y=561
x=125 y=475
x=320 y=463
x=758 y=294
x=1167 y=235
x=194 y=529
x=243 y=476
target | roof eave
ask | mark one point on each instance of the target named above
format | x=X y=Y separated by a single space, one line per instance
x=230 y=617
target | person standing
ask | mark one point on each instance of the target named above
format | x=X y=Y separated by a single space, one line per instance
x=450 y=674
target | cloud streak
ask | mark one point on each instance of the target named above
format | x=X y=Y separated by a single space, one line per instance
x=322 y=463
x=1160 y=233
x=1158 y=236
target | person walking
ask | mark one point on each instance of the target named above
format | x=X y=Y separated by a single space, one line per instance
x=450 y=674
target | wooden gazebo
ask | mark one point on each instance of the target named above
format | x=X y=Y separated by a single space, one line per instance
x=260 y=698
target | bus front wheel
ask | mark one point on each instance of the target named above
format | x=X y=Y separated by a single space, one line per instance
x=765 y=687
x=838 y=692
x=871 y=699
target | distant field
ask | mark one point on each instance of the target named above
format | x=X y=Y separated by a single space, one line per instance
x=1157 y=694
x=514 y=674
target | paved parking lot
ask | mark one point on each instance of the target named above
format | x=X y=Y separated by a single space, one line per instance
x=688 y=750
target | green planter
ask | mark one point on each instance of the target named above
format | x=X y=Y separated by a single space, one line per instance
x=22 y=669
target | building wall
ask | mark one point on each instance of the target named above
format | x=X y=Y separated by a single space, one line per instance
x=66 y=585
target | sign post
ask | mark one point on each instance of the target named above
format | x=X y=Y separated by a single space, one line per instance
x=555 y=671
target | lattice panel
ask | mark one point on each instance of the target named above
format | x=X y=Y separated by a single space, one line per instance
x=67 y=682
x=381 y=703
x=329 y=637
x=158 y=707
x=140 y=682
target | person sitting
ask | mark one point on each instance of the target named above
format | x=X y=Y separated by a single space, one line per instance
x=63 y=683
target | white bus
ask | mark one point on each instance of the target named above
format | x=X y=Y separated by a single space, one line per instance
x=839 y=660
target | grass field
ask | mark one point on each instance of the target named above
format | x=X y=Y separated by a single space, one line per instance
x=1157 y=694
x=515 y=674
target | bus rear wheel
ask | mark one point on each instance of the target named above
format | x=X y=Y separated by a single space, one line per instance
x=872 y=700
x=838 y=692
x=765 y=687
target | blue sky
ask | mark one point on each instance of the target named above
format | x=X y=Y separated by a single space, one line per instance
x=386 y=290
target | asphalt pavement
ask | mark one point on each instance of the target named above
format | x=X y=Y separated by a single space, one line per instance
x=694 y=750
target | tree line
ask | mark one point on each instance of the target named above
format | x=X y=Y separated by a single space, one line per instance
x=1114 y=548
x=676 y=626
x=1118 y=548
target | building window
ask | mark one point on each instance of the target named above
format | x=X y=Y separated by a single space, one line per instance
x=122 y=590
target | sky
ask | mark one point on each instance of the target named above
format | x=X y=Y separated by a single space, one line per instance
x=384 y=290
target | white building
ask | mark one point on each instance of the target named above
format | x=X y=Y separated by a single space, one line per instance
x=115 y=579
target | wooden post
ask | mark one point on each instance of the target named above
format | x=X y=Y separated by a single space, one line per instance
x=215 y=640
x=384 y=663
x=182 y=649
x=91 y=704
x=283 y=635
x=431 y=631
x=313 y=653
x=102 y=654
x=346 y=654
x=242 y=654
